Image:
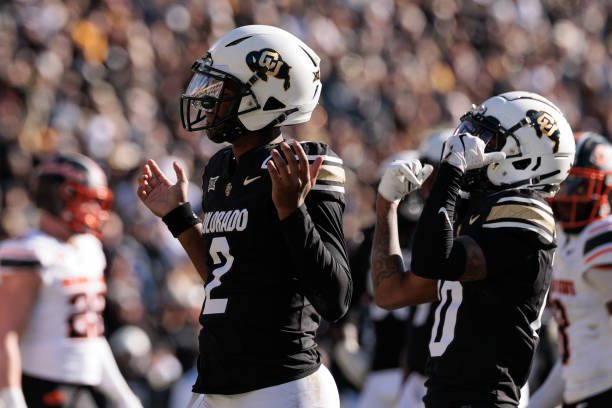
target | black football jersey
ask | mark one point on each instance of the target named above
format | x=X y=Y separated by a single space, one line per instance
x=417 y=335
x=485 y=332
x=258 y=319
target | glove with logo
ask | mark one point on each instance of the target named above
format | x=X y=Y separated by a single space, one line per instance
x=401 y=178
x=467 y=152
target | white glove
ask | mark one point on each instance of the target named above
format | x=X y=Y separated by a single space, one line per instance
x=467 y=152
x=401 y=178
x=12 y=397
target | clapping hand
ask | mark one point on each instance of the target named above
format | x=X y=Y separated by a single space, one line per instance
x=158 y=193
x=292 y=178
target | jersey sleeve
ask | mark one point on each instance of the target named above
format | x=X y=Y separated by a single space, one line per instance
x=17 y=255
x=513 y=255
x=597 y=250
x=315 y=237
x=331 y=178
x=525 y=216
x=517 y=238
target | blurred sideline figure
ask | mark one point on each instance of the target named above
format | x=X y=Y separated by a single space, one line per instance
x=52 y=294
x=421 y=320
x=400 y=336
x=382 y=331
x=270 y=245
x=486 y=255
x=581 y=290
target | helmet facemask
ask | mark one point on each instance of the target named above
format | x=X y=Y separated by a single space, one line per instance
x=74 y=189
x=212 y=100
x=489 y=130
x=582 y=198
x=86 y=209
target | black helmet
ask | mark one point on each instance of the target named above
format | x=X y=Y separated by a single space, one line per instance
x=584 y=195
x=73 y=188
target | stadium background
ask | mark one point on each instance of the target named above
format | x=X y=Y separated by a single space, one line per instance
x=104 y=77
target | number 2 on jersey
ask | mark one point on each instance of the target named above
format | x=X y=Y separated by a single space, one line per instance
x=443 y=330
x=218 y=246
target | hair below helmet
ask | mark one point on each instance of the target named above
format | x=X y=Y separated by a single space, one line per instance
x=73 y=188
x=584 y=196
x=253 y=77
x=534 y=134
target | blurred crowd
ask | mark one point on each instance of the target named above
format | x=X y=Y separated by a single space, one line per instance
x=103 y=77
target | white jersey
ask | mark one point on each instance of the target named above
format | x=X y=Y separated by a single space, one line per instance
x=62 y=340
x=580 y=305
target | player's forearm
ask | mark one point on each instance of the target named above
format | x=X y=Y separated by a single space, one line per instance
x=393 y=286
x=434 y=256
x=192 y=241
x=10 y=360
x=386 y=259
x=322 y=261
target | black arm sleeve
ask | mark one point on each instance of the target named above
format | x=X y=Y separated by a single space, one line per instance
x=316 y=241
x=433 y=254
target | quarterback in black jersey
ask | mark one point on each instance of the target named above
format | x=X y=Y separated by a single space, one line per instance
x=488 y=254
x=269 y=244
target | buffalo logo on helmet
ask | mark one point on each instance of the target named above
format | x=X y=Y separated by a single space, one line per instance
x=545 y=125
x=269 y=62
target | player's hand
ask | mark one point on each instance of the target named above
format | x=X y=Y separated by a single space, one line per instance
x=467 y=152
x=157 y=192
x=401 y=178
x=292 y=178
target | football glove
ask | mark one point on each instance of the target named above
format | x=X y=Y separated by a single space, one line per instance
x=401 y=178
x=467 y=152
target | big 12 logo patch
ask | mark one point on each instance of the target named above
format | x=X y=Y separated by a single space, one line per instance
x=269 y=62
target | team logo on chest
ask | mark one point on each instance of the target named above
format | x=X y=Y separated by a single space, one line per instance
x=228 y=189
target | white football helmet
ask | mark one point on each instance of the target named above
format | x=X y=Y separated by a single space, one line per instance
x=430 y=149
x=253 y=77
x=534 y=134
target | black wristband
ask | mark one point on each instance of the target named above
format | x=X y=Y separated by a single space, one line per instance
x=180 y=219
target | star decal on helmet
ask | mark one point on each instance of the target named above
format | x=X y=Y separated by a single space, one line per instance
x=269 y=62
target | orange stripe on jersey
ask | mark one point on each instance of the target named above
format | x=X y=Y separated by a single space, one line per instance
x=81 y=280
x=598 y=253
x=563 y=286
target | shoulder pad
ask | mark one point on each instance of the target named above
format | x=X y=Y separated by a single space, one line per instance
x=522 y=211
x=331 y=177
x=18 y=254
x=597 y=248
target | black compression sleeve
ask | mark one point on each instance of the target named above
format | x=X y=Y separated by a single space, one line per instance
x=433 y=254
x=316 y=242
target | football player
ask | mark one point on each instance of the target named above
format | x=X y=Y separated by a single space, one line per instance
x=486 y=257
x=581 y=290
x=52 y=292
x=269 y=245
x=422 y=316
